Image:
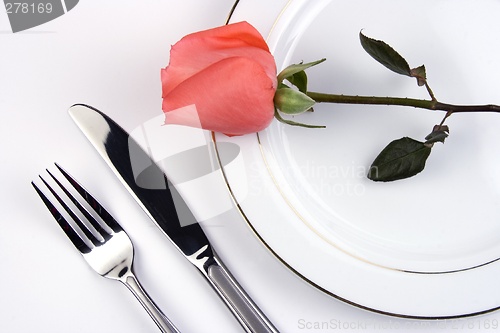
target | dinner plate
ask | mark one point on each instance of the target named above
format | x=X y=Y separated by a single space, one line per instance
x=424 y=247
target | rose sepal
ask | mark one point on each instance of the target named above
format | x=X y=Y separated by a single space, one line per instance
x=292 y=101
x=296 y=68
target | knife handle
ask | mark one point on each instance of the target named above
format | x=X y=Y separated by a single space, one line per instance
x=244 y=309
x=160 y=319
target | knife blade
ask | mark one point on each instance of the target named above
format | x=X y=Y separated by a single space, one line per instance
x=165 y=206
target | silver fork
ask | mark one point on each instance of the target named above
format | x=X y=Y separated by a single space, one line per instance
x=107 y=247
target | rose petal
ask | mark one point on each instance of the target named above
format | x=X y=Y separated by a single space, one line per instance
x=199 y=50
x=243 y=31
x=233 y=96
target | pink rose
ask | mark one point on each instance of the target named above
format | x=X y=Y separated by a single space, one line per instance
x=226 y=75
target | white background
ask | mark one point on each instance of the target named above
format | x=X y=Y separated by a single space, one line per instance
x=108 y=54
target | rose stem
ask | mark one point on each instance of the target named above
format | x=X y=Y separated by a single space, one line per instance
x=417 y=103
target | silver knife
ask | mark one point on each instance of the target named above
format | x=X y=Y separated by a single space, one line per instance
x=162 y=205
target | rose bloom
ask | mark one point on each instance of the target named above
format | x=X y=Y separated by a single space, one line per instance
x=222 y=79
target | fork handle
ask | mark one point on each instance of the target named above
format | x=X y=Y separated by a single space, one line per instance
x=160 y=319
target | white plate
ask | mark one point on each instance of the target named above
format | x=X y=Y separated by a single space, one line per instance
x=425 y=247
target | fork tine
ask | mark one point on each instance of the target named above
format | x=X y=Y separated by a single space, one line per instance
x=65 y=226
x=98 y=208
x=75 y=218
x=84 y=211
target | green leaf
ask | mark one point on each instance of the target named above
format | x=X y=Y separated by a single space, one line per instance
x=291 y=101
x=292 y=69
x=293 y=123
x=299 y=80
x=385 y=55
x=402 y=158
